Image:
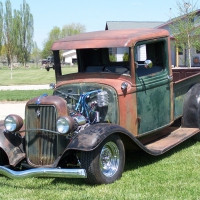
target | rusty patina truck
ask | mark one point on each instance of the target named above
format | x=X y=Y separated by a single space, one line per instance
x=113 y=104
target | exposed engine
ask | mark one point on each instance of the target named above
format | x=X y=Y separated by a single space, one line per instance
x=87 y=108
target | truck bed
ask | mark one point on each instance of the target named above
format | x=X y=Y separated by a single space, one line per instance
x=184 y=78
x=180 y=73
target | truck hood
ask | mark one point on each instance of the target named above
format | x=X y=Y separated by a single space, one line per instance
x=115 y=81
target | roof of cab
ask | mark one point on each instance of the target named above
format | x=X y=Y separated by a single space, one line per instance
x=108 y=38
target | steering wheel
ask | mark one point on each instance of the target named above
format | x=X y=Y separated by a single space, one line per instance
x=105 y=69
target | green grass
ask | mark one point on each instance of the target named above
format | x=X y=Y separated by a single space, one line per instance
x=172 y=176
x=30 y=76
x=22 y=95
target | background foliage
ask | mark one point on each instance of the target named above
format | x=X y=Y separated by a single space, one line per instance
x=185 y=29
x=57 y=33
x=17 y=36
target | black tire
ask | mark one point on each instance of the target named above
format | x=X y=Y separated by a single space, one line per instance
x=191 y=109
x=105 y=164
x=3 y=158
x=196 y=137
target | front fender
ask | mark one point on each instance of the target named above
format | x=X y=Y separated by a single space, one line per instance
x=12 y=144
x=92 y=136
x=89 y=138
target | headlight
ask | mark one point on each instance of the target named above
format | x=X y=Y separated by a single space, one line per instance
x=65 y=124
x=13 y=123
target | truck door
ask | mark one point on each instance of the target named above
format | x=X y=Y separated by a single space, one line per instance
x=153 y=86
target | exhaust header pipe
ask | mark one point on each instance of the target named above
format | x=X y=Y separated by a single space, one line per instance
x=43 y=172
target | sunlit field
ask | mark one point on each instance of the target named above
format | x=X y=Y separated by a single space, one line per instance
x=174 y=175
x=30 y=76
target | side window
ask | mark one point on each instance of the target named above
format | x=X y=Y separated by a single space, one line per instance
x=153 y=51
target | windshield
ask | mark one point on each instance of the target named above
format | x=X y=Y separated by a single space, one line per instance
x=111 y=60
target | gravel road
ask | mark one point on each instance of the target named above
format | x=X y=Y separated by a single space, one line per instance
x=16 y=107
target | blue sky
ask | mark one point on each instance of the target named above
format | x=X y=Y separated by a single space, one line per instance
x=92 y=13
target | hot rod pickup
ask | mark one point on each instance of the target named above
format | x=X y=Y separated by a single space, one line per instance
x=124 y=97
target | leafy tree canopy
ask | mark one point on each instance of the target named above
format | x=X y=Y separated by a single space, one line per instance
x=56 y=33
x=185 y=29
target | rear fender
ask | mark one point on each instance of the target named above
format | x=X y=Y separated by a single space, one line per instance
x=12 y=145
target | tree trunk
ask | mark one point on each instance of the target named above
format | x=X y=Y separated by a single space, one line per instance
x=11 y=68
x=189 y=52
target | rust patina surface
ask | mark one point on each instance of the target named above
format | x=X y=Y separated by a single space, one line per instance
x=58 y=102
x=12 y=144
x=109 y=38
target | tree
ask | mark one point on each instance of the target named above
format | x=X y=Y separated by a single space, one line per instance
x=1 y=24
x=72 y=29
x=24 y=20
x=112 y=58
x=3 y=55
x=36 y=53
x=125 y=56
x=9 y=37
x=184 y=28
x=56 y=33
x=52 y=37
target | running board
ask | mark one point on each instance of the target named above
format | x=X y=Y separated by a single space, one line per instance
x=166 y=143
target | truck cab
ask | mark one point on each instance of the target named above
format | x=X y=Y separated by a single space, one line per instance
x=143 y=84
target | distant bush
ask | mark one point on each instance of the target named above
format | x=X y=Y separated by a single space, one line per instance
x=112 y=58
x=125 y=56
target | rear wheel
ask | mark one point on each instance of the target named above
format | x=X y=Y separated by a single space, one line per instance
x=105 y=164
x=191 y=109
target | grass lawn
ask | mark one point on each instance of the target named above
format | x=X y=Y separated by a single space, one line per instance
x=22 y=95
x=30 y=76
x=174 y=175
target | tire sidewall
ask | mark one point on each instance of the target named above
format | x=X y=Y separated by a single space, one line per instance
x=101 y=178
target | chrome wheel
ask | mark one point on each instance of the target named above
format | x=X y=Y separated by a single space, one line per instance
x=109 y=159
x=104 y=164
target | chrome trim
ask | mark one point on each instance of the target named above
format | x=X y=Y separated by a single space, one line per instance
x=43 y=172
x=39 y=129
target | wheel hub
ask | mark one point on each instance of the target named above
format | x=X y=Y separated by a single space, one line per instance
x=109 y=159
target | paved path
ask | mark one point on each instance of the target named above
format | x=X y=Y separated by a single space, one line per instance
x=7 y=108
x=10 y=107
x=24 y=87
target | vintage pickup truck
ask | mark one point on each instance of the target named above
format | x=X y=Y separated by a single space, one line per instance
x=111 y=105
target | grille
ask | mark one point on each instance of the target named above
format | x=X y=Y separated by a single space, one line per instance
x=41 y=146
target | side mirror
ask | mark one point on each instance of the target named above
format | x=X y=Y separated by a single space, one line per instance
x=147 y=64
x=52 y=85
x=47 y=67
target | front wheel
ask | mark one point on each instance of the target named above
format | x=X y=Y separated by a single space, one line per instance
x=105 y=164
